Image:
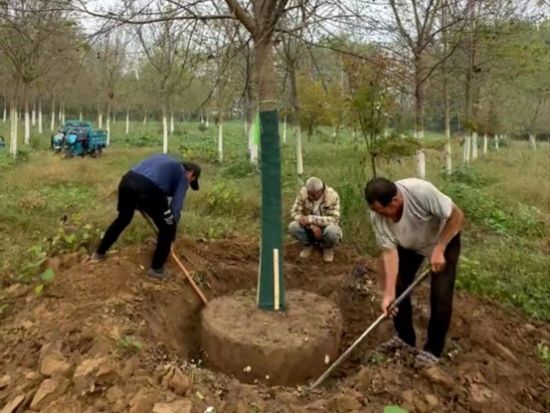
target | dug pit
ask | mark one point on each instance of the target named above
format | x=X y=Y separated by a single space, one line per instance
x=277 y=348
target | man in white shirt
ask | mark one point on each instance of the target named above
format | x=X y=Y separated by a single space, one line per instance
x=412 y=220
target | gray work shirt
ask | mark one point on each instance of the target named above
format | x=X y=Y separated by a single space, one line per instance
x=425 y=212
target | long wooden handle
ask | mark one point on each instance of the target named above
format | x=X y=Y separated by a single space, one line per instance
x=188 y=276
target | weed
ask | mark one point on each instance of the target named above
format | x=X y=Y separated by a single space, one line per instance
x=129 y=345
x=543 y=351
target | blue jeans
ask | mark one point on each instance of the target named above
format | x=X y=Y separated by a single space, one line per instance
x=332 y=235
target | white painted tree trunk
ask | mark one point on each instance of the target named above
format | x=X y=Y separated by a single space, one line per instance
x=245 y=126
x=4 y=117
x=164 y=132
x=252 y=147
x=100 y=120
x=127 y=121
x=108 y=129
x=145 y=119
x=27 y=135
x=485 y=144
x=63 y=113
x=207 y=121
x=496 y=142
x=284 y=130
x=80 y=116
x=466 y=149
x=420 y=158
x=299 y=157
x=448 y=150
x=13 y=130
x=171 y=124
x=40 y=123
x=52 y=122
x=533 y=141
x=60 y=115
x=33 y=116
x=474 y=146
x=220 y=142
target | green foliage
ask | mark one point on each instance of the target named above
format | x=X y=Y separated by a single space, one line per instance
x=129 y=345
x=138 y=141
x=488 y=212
x=223 y=198
x=44 y=279
x=394 y=409
x=543 y=351
x=314 y=108
x=239 y=168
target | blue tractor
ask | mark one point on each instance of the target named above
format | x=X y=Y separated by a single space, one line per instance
x=77 y=138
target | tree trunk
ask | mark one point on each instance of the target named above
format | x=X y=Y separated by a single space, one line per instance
x=99 y=118
x=171 y=123
x=27 y=136
x=496 y=142
x=145 y=119
x=271 y=294
x=474 y=146
x=127 y=121
x=533 y=141
x=80 y=116
x=419 y=116
x=164 y=129
x=108 y=126
x=220 y=140
x=299 y=157
x=447 y=117
x=252 y=146
x=52 y=123
x=13 y=130
x=485 y=144
x=4 y=117
x=207 y=121
x=284 y=130
x=466 y=149
x=40 y=123
x=33 y=116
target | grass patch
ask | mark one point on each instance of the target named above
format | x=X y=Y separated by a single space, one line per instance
x=50 y=205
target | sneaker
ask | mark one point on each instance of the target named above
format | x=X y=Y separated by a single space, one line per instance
x=425 y=358
x=306 y=251
x=328 y=254
x=158 y=274
x=97 y=257
x=392 y=345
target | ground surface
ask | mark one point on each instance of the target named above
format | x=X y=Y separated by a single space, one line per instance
x=103 y=337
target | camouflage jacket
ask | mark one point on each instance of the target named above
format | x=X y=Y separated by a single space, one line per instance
x=329 y=210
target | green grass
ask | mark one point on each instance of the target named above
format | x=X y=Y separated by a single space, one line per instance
x=505 y=197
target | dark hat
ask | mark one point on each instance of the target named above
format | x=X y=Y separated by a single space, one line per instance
x=191 y=166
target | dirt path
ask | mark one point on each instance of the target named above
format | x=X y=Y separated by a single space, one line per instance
x=104 y=338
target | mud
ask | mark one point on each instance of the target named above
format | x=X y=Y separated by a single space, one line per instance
x=104 y=338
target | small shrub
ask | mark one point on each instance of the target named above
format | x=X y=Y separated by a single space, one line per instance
x=543 y=351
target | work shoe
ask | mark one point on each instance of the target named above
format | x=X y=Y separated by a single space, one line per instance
x=392 y=345
x=425 y=358
x=97 y=257
x=328 y=254
x=158 y=274
x=306 y=251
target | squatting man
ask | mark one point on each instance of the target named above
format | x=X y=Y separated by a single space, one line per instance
x=316 y=219
x=412 y=220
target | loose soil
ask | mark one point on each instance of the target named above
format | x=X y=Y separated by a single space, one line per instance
x=105 y=338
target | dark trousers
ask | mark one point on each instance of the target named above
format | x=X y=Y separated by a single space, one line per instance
x=441 y=297
x=137 y=192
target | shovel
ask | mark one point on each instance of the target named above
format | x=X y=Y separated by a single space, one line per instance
x=179 y=263
x=381 y=318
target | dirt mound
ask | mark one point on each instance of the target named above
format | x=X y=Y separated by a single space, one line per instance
x=105 y=338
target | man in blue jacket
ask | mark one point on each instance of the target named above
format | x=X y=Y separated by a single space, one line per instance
x=157 y=187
